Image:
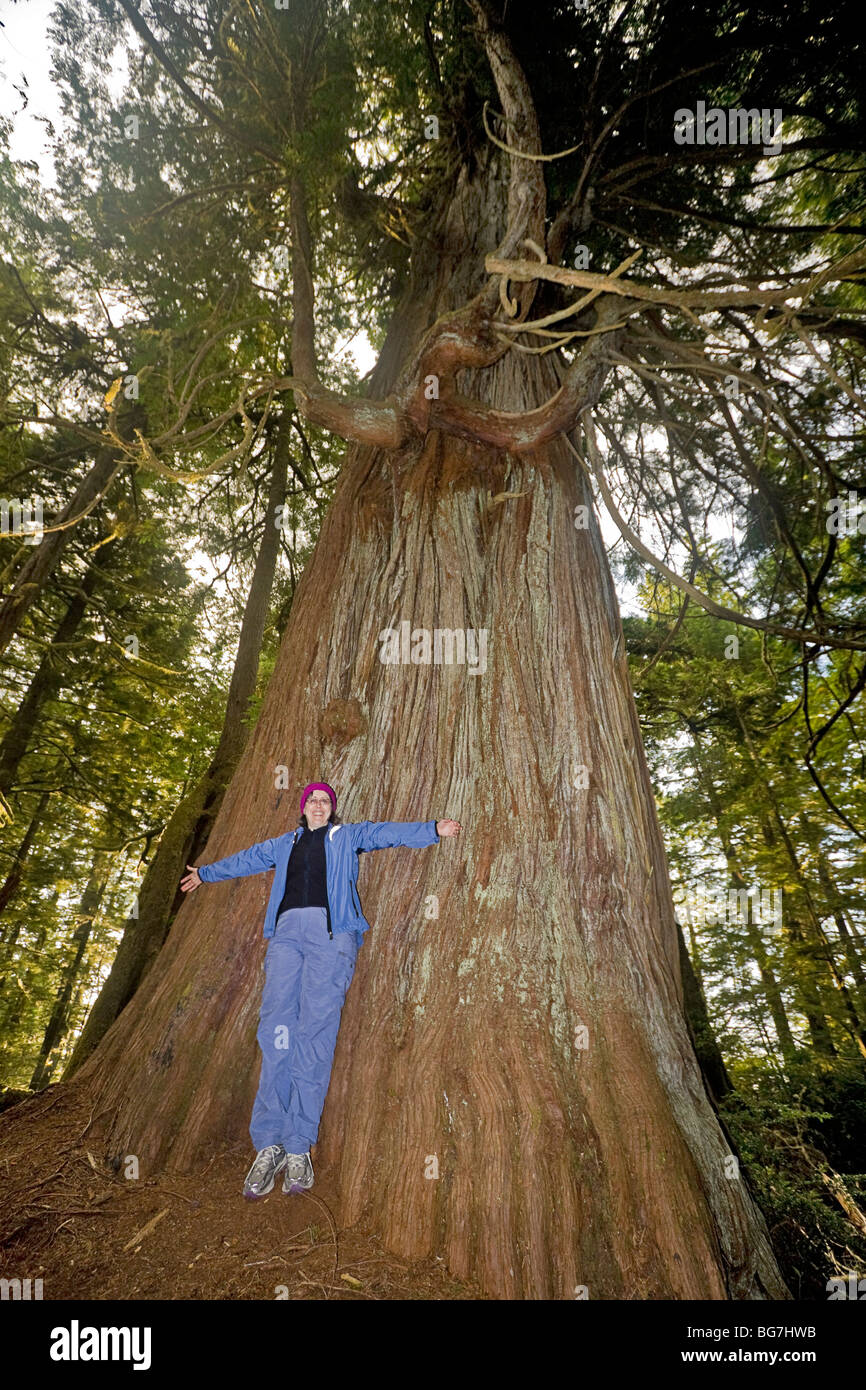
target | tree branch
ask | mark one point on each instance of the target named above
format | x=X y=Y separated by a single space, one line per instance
x=521 y=431
x=227 y=127
x=793 y=634
x=527 y=194
x=722 y=298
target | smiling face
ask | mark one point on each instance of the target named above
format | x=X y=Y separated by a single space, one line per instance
x=317 y=809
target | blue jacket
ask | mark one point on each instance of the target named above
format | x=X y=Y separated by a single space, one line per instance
x=343 y=844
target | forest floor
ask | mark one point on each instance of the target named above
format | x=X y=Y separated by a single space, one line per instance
x=90 y=1233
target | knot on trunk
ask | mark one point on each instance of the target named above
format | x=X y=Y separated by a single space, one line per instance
x=341 y=721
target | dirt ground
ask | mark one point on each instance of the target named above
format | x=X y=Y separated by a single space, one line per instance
x=89 y=1233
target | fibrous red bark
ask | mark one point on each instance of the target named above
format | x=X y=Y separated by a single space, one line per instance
x=514 y=1085
x=565 y=1158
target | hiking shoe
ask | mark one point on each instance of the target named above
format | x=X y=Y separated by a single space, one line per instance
x=266 y=1164
x=299 y=1173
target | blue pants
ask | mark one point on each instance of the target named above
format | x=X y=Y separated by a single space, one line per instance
x=307 y=976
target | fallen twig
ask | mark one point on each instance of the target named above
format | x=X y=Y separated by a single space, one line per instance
x=145 y=1230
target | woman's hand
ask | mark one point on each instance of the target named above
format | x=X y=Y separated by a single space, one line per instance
x=191 y=880
x=447 y=827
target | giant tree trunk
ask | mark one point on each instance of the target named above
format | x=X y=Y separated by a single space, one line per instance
x=514 y=1085
x=558 y=1165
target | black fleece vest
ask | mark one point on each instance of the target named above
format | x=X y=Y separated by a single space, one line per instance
x=306 y=882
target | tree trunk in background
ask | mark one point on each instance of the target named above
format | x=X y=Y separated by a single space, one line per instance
x=834 y=903
x=701 y=1030
x=12 y=881
x=87 y=910
x=8 y=947
x=773 y=993
x=514 y=1085
x=74 y=1015
x=808 y=922
x=11 y=1003
x=807 y=974
x=813 y=929
x=160 y=896
x=813 y=956
x=45 y=682
x=44 y=557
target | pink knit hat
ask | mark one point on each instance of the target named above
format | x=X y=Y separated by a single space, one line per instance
x=319 y=787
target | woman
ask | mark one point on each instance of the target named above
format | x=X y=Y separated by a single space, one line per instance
x=316 y=926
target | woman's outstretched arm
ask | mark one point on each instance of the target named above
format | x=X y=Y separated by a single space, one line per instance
x=412 y=834
x=254 y=860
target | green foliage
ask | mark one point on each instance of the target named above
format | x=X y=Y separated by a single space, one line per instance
x=783 y=1131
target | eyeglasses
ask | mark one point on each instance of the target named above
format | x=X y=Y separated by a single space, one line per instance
x=318 y=800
